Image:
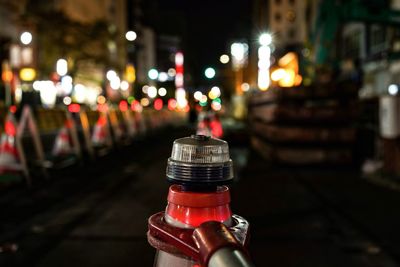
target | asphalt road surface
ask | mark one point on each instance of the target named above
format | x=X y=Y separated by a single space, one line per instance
x=96 y=214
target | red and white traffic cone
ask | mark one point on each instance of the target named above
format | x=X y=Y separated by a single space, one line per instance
x=62 y=145
x=99 y=137
x=9 y=157
x=199 y=168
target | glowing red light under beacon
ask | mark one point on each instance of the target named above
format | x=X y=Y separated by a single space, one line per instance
x=195 y=208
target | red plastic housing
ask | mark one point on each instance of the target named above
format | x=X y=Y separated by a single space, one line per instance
x=194 y=208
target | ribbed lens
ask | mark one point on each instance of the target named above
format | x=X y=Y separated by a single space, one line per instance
x=200 y=160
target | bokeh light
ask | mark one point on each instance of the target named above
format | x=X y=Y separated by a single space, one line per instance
x=26 y=38
x=209 y=73
x=131 y=36
x=162 y=91
x=224 y=59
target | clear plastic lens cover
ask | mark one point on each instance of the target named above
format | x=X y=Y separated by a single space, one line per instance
x=200 y=159
x=190 y=150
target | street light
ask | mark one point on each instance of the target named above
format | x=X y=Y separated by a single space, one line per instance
x=239 y=52
x=264 y=63
x=265 y=39
x=26 y=38
x=130 y=36
x=61 y=67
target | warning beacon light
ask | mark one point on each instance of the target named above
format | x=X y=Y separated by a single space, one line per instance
x=200 y=160
x=198 y=227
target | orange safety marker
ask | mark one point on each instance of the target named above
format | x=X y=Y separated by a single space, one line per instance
x=9 y=156
x=100 y=132
x=62 y=145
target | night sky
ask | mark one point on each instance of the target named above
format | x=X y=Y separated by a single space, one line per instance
x=207 y=27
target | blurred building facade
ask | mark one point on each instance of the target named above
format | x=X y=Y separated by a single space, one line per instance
x=89 y=34
x=345 y=44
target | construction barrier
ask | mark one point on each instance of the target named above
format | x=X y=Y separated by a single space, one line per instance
x=96 y=132
x=12 y=161
x=58 y=134
x=21 y=147
x=56 y=138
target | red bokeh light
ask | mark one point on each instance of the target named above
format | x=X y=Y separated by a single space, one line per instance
x=158 y=104
x=13 y=109
x=9 y=128
x=171 y=104
x=74 y=108
x=123 y=105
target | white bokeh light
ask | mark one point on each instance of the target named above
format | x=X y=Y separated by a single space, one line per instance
x=67 y=100
x=197 y=95
x=224 y=59
x=393 y=89
x=163 y=76
x=162 y=91
x=209 y=73
x=26 y=38
x=62 y=67
x=153 y=74
x=152 y=92
x=131 y=36
x=111 y=74
x=124 y=85
x=115 y=83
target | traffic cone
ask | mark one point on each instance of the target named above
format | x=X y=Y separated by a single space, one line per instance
x=100 y=132
x=62 y=146
x=9 y=157
x=200 y=169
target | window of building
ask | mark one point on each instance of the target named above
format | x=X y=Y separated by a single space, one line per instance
x=352 y=45
x=291 y=16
